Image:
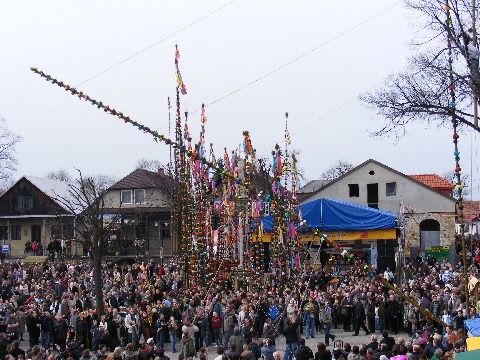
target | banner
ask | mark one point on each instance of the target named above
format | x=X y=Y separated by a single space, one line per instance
x=438 y=252
x=389 y=234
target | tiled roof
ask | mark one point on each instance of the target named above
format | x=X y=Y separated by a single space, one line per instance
x=434 y=181
x=471 y=209
x=141 y=179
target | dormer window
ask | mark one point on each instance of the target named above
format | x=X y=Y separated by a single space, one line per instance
x=126 y=197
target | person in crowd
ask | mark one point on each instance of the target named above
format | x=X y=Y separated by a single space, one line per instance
x=291 y=338
x=373 y=344
x=220 y=353
x=54 y=304
x=268 y=349
x=303 y=352
x=359 y=317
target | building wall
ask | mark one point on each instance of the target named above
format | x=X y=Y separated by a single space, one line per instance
x=414 y=195
x=41 y=204
x=17 y=247
x=447 y=228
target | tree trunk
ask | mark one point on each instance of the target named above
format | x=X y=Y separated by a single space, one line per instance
x=97 y=277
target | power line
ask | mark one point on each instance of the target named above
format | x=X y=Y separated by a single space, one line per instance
x=313 y=50
x=128 y=58
x=311 y=123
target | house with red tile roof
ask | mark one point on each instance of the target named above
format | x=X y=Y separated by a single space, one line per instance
x=436 y=182
x=471 y=215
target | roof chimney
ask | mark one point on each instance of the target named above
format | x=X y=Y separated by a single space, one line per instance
x=161 y=172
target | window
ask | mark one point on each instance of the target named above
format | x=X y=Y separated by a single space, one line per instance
x=16 y=232
x=68 y=231
x=266 y=210
x=391 y=189
x=165 y=231
x=139 y=196
x=353 y=190
x=56 y=232
x=24 y=202
x=126 y=197
x=3 y=233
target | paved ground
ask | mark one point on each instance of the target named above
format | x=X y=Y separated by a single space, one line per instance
x=346 y=337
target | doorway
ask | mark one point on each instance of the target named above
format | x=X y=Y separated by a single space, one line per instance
x=36 y=231
x=372 y=195
x=429 y=234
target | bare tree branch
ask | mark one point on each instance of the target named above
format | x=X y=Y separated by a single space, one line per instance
x=8 y=159
x=421 y=92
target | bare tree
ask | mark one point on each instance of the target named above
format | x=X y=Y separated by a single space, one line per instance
x=8 y=159
x=60 y=175
x=86 y=199
x=465 y=178
x=339 y=168
x=103 y=181
x=421 y=92
x=151 y=165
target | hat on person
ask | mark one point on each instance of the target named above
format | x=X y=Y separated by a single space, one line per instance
x=422 y=341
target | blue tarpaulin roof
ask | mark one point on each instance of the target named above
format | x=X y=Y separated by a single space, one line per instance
x=334 y=215
x=473 y=327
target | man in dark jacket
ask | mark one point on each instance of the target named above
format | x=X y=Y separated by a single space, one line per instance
x=236 y=341
x=373 y=343
x=60 y=331
x=303 y=351
x=392 y=309
x=388 y=340
x=254 y=347
x=359 y=317
x=33 y=328
x=46 y=328
x=382 y=350
x=291 y=338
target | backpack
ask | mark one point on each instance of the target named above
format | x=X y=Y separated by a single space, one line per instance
x=190 y=350
x=273 y=312
x=228 y=323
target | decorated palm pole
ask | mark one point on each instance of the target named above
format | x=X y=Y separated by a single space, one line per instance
x=456 y=152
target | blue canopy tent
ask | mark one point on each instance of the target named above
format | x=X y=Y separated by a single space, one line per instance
x=334 y=215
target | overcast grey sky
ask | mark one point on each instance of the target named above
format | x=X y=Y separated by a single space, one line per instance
x=74 y=40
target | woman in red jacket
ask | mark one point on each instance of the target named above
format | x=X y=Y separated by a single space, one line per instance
x=216 y=323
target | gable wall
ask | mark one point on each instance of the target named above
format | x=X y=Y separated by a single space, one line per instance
x=42 y=204
x=413 y=194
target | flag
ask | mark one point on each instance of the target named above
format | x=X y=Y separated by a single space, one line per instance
x=288 y=141
x=180 y=83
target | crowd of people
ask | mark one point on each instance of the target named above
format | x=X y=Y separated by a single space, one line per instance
x=149 y=312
